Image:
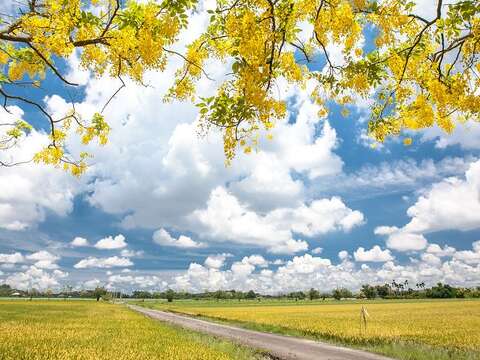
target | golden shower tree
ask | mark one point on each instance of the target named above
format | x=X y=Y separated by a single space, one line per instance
x=422 y=72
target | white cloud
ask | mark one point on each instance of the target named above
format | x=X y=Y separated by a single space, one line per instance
x=157 y=174
x=466 y=135
x=450 y=204
x=46 y=264
x=375 y=254
x=141 y=281
x=162 y=237
x=476 y=246
x=216 y=261
x=243 y=268
x=42 y=255
x=226 y=219
x=306 y=264
x=393 y=176
x=131 y=253
x=269 y=184
x=469 y=256
x=79 y=242
x=156 y=171
x=290 y=246
x=256 y=260
x=343 y=255
x=401 y=239
x=436 y=250
x=44 y=260
x=304 y=272
x=199 y=277
x=453 y=203
x=317 y=251
x=11 y=258
x=431 y=259
x=316 y=159
x=385 y=230
x=91 y=284
x=111 y=243
x=35 y=278
x=110 y=262
x=404 y=241
x=30 y=191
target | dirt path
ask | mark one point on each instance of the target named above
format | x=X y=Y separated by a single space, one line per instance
x=283 y=347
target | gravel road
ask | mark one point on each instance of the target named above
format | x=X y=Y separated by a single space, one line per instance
x=279 y=346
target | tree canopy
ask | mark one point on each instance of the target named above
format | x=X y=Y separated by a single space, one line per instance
x=421 y=72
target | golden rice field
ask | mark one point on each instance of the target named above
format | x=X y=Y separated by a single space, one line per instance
x=54 y=330
x=450 y=325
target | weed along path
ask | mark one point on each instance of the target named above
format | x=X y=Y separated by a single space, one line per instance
x=279 y=346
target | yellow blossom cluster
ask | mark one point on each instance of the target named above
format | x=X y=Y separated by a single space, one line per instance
x=420 y=73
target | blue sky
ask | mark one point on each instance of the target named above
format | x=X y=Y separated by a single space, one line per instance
x=317 y=206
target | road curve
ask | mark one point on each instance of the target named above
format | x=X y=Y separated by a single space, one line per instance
x=279 y=346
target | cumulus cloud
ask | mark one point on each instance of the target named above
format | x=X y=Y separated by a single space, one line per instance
x=469 y=256
x=35 y=278
x=111 y=243
x=401 y=239
x=304 y=272
x=437 y=250
x=404 y=174
x=29 y=192
x=226 y=218
x=46 y=264
x=43 y=260
x=157 y=174
x=256 y=260
x=162 y=237
x=91 y=284
x=431 y=259
x=343 y=255
x=13 y=258
x=131 y=253
x=269 y=184
x=106 y=263
x=79 y=242
x=199 y=277
x=216 y=261
x=156 y=171
x=42 y=255
x=453 y=203
x=466 y=135
x=140 y=281
x=404 y=241
x=375 y=254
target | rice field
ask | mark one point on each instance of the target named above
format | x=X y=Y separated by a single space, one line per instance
x=405 y=330
x=89 y=330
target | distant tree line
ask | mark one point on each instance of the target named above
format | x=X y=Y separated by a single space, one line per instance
x=66 y=292
x=171 y=295
x=403 y=290
x=393 y=290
